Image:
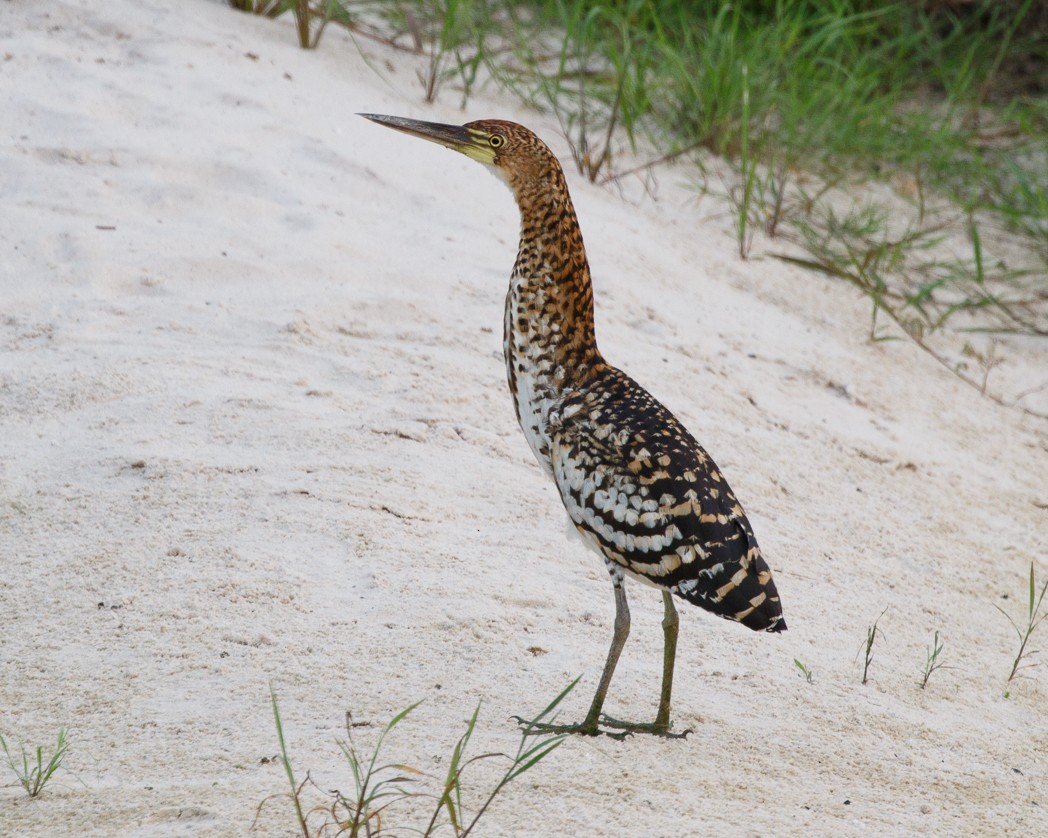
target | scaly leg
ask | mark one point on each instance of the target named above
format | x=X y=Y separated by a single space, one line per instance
x=618 y=640
x=590 y=725
x=661 y=725
x=670 y=624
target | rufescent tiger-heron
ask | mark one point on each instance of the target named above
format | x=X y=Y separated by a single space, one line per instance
x=636 y=485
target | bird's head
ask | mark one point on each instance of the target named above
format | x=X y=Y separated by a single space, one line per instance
x=511 y=150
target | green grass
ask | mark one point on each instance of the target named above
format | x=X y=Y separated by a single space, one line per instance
x=29 y=767
x=369 y=809
x=872 y=633
x=1025 y=628
x=933 y=660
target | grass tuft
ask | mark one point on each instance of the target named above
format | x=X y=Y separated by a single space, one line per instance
x=378 y=786
x=933 y=660
x=29 y=766
x=871 y=636
x=1034 y=617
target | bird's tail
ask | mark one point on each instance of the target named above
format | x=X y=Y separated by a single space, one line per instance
x=740 y=590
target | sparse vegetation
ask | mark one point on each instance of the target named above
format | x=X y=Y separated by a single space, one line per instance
x=867 y=651
x=1024 y=630
x=29 y=766
x=933 y=661
x=804 y=670
x=378 y=786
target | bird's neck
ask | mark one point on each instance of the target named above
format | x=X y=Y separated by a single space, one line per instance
x=549 y=308
x=550 y=345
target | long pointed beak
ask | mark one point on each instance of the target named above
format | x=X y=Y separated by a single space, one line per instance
x=458 y=138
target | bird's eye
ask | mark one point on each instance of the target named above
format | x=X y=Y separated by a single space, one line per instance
x=496 y=141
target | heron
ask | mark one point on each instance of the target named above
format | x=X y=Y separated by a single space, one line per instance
x=636 y=485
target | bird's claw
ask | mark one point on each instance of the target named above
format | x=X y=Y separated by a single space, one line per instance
x=654 y=728
x=532 y=727
x=623 y=729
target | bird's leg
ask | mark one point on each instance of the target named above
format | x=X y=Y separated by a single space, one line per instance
x=670 y=624
x=661 y=725
x=590 y=725
x=618 y=640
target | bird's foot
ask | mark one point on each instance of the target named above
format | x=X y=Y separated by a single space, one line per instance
x=586 y=728
x=619 y=732
x=654 y=728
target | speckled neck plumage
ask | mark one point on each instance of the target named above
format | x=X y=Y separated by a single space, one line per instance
x=549 y=339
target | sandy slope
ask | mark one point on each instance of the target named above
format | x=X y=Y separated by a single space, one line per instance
x=255 y=431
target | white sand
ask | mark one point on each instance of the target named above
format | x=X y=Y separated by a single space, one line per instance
x=255 y=431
